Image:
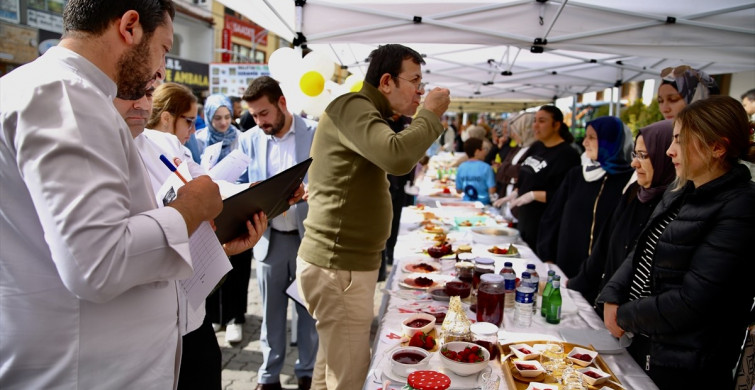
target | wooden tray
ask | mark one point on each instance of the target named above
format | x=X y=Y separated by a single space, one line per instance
x=514 y=381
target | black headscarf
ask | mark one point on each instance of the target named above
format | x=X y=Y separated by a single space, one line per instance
x=657 y=138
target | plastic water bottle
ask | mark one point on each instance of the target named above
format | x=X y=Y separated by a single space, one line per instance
x=547 y=292
x=509 y=277
x=553 y=314
x=524 y=303
x=535 y=280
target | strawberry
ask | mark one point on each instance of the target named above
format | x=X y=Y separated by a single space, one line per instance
x=416 y=340
x=429 y=343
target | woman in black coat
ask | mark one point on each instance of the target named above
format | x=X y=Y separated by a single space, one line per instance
x=587 y=197
x=655 y=172
x=685 y=293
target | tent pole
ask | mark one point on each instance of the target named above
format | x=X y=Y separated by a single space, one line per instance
x=573 y=113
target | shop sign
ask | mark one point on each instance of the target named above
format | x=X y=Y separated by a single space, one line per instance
x=44 y=20
x=189 y=73
x=233 y=79
x=245 y=30
x=226 y=45
x=9 y=10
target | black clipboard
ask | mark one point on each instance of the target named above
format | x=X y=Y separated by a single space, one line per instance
x=270 y=196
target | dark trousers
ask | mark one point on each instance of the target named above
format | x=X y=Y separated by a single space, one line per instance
x=398 y=200
x=228 y=302
x=200 y=360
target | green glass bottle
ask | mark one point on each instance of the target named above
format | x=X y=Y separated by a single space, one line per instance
x=547 y=292
x=553 y=315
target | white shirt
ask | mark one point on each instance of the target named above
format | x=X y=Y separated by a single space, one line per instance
x=86 y=257
x=281 y=155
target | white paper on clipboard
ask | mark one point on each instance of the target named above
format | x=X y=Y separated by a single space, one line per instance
x=293 y=292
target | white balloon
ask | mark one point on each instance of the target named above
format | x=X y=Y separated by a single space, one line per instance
x=320 y=62
x=315 y=106
x=284 y=64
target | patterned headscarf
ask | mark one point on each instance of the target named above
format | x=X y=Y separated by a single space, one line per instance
x=657 y=138
x=614 y=144
x=522 y=125
x=692 y=84
x=210 y=106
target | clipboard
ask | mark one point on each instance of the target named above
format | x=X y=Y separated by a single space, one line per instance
x=270 y=196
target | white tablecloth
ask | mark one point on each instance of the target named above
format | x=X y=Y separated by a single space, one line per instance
x=578 y=321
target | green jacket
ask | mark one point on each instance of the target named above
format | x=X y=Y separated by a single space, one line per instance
x=349 y=205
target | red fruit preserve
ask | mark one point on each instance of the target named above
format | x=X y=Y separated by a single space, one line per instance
x=408 y=357
x=490 y=298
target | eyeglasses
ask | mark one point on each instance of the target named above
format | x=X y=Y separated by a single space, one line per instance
x=675 y=71
x=418 y=84
x=639 y=155
x=189 y=120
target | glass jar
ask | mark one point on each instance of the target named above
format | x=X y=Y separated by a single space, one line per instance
x=490 y=299
x=482 y=265
x=485 y=335
x=465 y=271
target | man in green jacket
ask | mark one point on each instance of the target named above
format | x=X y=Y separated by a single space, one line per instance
x=350 y=206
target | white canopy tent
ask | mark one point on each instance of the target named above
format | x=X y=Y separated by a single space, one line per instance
x=523 y=51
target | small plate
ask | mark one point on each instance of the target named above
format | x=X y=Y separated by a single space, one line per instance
x=439 y=294
x=438 y=280
x=542 y=386
x=422 y=267
x=515 y=254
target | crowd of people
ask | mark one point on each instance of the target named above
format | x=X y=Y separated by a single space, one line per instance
x=651 y=228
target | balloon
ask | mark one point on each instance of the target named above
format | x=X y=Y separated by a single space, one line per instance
x=283 y=64
x=312 y=83
x=353 y=83
x=315 y=106
x=357 y=86
x=319 y=62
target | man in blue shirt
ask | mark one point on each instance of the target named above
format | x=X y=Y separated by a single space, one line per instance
x=475 y=177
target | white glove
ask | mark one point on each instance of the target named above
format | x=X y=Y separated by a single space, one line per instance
x=523 y=200
x=500 y=202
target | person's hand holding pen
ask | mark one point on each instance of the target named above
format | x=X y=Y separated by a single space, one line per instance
x=198 y=200
x=254 y=233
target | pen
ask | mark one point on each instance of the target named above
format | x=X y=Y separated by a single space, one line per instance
x=171 y=167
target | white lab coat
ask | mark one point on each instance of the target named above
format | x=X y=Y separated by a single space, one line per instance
x=88 y=263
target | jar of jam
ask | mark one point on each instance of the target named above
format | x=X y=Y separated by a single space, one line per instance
x=490 y=299
x=482 y=265
x=465 y=271
x=485 y=335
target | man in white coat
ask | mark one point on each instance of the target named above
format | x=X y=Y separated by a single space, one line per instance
x=279 y=141
x=88 y=265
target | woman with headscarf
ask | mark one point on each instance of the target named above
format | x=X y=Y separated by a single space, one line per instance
x=520 y=129
x=219 y=113
x=587 y=196
x=655 y=172
x=682 y=85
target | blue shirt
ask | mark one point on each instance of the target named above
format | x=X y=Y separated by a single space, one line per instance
x=475 y=178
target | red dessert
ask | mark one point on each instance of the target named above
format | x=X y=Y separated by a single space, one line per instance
x=526 y=367
x=418 y=323
x=592 y=374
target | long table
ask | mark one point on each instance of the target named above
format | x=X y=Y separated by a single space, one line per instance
x=579 y=323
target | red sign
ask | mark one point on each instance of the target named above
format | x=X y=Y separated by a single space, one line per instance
x=226 y=45
x=245 y=30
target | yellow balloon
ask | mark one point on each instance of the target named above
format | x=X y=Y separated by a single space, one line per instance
x=312 y=83
x=356 y=87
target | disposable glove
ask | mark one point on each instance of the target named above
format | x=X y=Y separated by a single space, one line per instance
x=523 y=200
x=500 y=202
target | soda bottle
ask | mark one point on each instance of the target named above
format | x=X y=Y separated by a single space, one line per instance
x=509 y=276
x=523 y=304
x=546 y=292
x=535 y=280
x=553 y=315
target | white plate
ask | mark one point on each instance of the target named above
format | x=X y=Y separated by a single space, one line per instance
x=457 y=382
x=438 y=280
x=517 y=254
x=431 y=263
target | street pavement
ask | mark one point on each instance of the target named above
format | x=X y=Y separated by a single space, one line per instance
x=241 y=361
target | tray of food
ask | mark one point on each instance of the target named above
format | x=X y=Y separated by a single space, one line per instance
x=521 y=372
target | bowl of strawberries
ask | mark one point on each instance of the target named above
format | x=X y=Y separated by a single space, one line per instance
x=463 y=358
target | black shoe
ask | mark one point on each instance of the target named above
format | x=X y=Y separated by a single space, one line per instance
x=305 y=383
